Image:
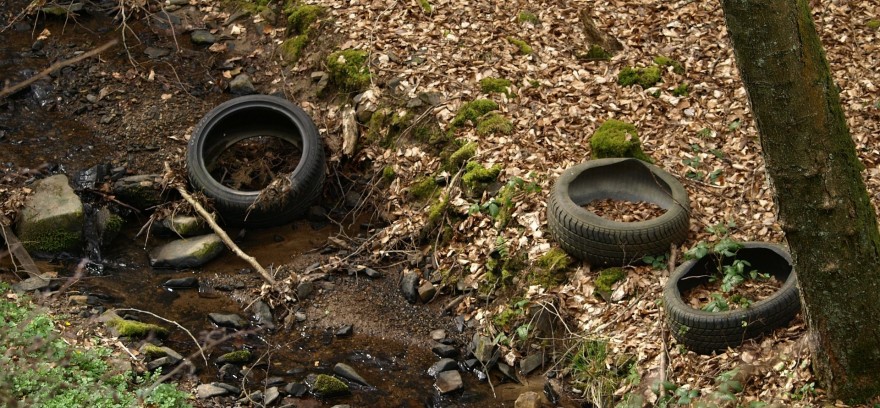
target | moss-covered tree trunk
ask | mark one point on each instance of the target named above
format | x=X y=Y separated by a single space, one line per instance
x=824 y=207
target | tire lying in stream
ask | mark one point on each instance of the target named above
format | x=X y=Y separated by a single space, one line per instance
x=704 y=332
x=256 y=117
x=601 y=241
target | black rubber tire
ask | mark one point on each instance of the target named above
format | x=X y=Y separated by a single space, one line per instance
x=247 y=117
x=704 y=332
x=602 y=241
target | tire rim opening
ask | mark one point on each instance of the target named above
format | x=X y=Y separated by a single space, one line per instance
x=624 y=210
x=251 y=164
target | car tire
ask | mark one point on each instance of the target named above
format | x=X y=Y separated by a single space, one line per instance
x=249 y=117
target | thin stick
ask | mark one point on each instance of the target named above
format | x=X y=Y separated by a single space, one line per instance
x=56 y=66
x=201 y=351
x=222 y=234
x=664 y=331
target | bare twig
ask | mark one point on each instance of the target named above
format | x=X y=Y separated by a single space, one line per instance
x=222 y=234
x=56 y=66
x=664 y=330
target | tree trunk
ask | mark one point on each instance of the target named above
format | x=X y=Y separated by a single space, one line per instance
x=824 y=208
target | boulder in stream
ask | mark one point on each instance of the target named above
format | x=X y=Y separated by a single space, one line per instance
x=187 y=252
x=185 y=225
x=52 y=218
x=346 y=371
x=141 y=192
x=326 y=386
x=228 y=320
x=449 y=381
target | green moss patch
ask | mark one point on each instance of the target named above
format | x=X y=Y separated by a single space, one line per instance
x=596 y=53
x=235 y=357
x=526 y=16
x=550 y=268
x=438 y=210
x=348 y=69
x=291 y=48
x=51 y=241
x=681 y=90
x=301 y=17
x=662 y=61
x=617 y=139
x=153 y=351
x=426 y=6
x=476 y=176
x=646 y=77
x=522 y=46
x=494 y=123
x=495 y=85
x=461 y=156
x=134 y=329
x=473 y=111
x=326 y=386
x=423 y=187
x=388 y=173
x=606 y=280
x=873 y=24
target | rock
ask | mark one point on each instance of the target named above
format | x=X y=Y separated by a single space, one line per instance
x=326 y=386
x=186 y=225
x=229 y=372
x=414 y=103
x=438 y=334
x=341 y=406
x=274 y=382
x=321 y=80
x=345 y=330
x=228 y=320
x=528 y=399
x=239 y=357
x=202 y=37
x=372 y=273
x=230 y=388
x=316 y=214
x=427 y=292
x=508 y=372
x=531 y=362
x=141 y=192
x=156 y=53
x=108 y=225
x=271 y=395
x=52 y=218
x=78 y=299
x=181 y=283
x=59 y=10
x=296 y=389
x=210 y=390
x=352 y=199
x=300 y=316
x=33 y=283
x=483 y=349
x=160 y=362
x=445 y=364
x=346 y=371
x=242 y=85
x=431 y=98
x=449 y=381
x=187 y=252
x=408 y=286
x=151 y=350
x=263 y=314
x=444 y=350
x=304 y=289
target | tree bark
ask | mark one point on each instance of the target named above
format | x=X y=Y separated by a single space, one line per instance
x=823 y=205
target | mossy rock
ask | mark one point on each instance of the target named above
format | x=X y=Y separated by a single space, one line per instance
x=473 y=111
x=495 y=85
x=153 y=351
x=423 y=188
x=494 y=123
x=135 y=329
x=606 y=280
x=348 y=69
x=646 y=77
x=301 y=17
x=476 y=177
x=617 y=139
x=550 y=268
x=327 y=386
x=238 y=357
x=52 y=218
x=291 y=48
x=663 y=61
x=461 y=156
x=438 y=210
x=388 y=174
x=596 y=53
x=523 y=47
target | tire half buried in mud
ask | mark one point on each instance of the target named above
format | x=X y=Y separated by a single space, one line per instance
x=256 y=117
x=601 y=241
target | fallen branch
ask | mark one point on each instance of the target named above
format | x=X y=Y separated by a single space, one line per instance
x=6 y=91
x=664 y=330
x=222 y=234
x=19 y=253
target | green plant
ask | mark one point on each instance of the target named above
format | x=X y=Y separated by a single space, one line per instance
x=731 y=271
x=348 y=69
x=682 y=89
x=663 y=61
x=658 y=262
x=595 y=371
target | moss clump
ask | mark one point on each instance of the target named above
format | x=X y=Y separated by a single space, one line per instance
x=423 y=188
x=646 y=77
x=596 y=53
x=388 y=173
x=475 y=174
x=663 y=61
x=873 y=24
x=522 y=46
x=494 y=123
x=328 y=386
x=348 y=69
x=426 y=6
x=681 y=90
x=153 y=351
x=527 y=17
x=431 y=134
x=617 y=139
x=114 y=225
x=606 y=279
x=291 y=48
x=550 y=268
x=438 y=210
x=52 y=241
x=131 y=328
x=495 y=85
x=235 y=357
x=300 y=17
x=473 y=111
x=461 y=156
x=209 y=249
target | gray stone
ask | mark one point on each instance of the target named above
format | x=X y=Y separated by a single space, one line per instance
x=186 y=225
x=33 y=283
x=274 y=382
x=372 y=273
x=352 y=199
x=409 y=286
x=242 y=85
x=296 y=389
x=300 y=316
x=210 y=390
x=321 y=80
x=483 y=349
x=528 y=399
x=444 y=350
x=346 y=371
x=181 y=283
x=228 y=320
x=531 y=362
x=341 y=406
x=141 y=192
x=414 y=103
x=316 y=213
x=508 y=371
x=188 y=252
x=431 y=98
x=179 y=2
x=445 y=364
x=155 y=52
x=230 y=372
x=304 y=289
x=52 y=218
x=449 y=381
x=228 y=387
x=345 y=330
x=427 y=291
x=59 y=10
x=271 y=395
x=160 y=362
x=438 y=334
x=263 y=314
x=108 y=224
x=202 y=37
